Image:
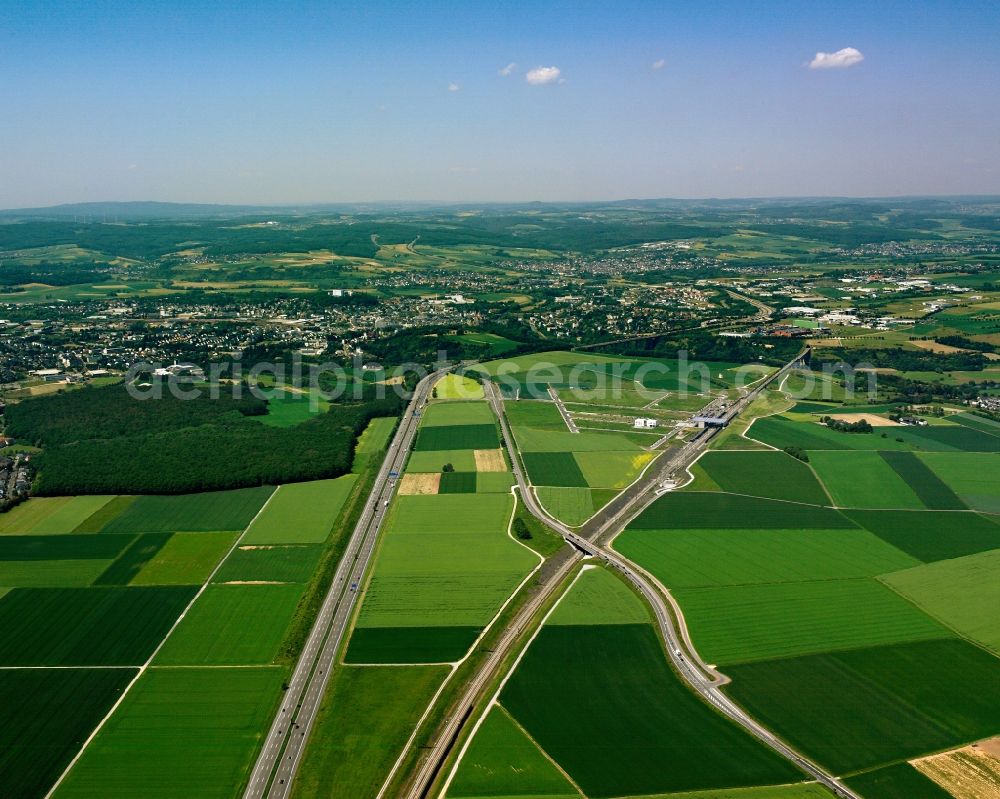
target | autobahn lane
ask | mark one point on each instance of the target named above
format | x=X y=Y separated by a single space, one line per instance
x=279 y=758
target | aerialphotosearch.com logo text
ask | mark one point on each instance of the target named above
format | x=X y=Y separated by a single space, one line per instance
x=598 y=381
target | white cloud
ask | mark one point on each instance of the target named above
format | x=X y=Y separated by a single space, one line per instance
x=847 y=57
x=507 y=70
x=542 y=75
x=659 y=63
x=453 y=87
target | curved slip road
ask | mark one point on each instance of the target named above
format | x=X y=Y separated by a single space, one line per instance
x=285 y=742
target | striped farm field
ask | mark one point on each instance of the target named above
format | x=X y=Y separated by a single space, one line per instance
x=972 y=476
x=775 y=475
x=215 y=510
x=504 y=762
x=272 y=563
x=457 y=436
x=445 y=566
x=50 y=515
x=863 y=480
x=959 y=592
x=708 y=510
x=232 y=625
x=158 y=721
x=185 y=559
x=573 y=505
x=891 y=702
x=737 y=624
x=930 y=536
x=933 y=492
x=44 y=716
x=705 y=558
x=107 y=626
x=575 y=692
x=301 y=513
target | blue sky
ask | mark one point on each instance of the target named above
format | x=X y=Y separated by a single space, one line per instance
x=334 y=101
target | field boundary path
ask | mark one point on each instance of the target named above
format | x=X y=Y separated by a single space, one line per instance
x=284 y=744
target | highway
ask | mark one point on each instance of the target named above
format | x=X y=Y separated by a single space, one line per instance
x=285 y=742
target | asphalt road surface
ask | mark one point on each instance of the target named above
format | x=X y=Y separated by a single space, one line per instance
x=282 y=750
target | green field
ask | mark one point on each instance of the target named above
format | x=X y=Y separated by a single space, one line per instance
x=62 y=547
x=445 y=566
x=187 y=732
x=462 y=460
x=407 y=645
x=457 y=436
x=863 y=708
x=737 y=624
x=781 y=432
x=347 y=757
x=67 y=517
x=373 y=440
x=931 y=536
x=611 y=469
x=959 y=592
x=554 y=469
x=493 y=482
x=458 y=387
x=99 y=519
x=232 y=625
x=532 y=439
x=503 y=761
x=599 y=596
x=458 y=482
x=45 y=515
x=863 y=480
x=703 y=558
x=186 y=559
x=453 y=513
x=107 y=626
x=444 y=414
x=971 y=475
x=214 y=510
x=706 y=510
x=534 y=413
x=301 y=513
x=45 y=715
x=603 y=702
x=51 y=573
x=142 y=550
x=931 y=490
x=775 y=475
x=573 y=506
x=438 y=579
x=283 y=564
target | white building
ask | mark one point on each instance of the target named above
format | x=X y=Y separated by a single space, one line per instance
x=645 y=424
